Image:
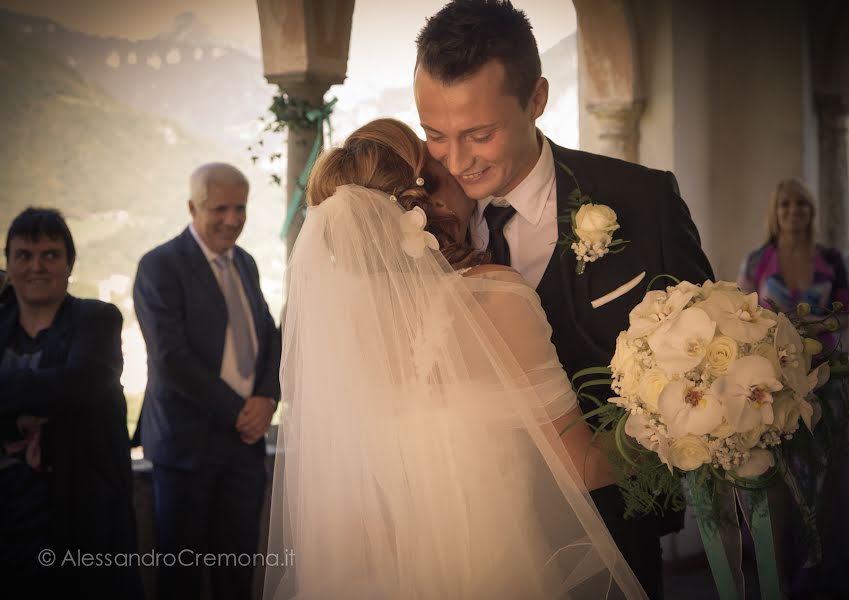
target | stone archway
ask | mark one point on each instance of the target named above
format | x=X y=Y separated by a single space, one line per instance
x=610 y=78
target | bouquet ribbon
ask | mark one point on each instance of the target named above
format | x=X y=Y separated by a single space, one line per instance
x=716 y=516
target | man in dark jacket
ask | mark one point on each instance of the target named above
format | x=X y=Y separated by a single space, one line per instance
x=479 y=91
x=66 y=513
x=213 y=360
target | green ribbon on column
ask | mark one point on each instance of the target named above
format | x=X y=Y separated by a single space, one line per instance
x=318 y=116
x=709 y=529
x=761 y=528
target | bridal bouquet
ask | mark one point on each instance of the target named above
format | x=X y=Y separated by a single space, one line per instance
x=709 y=377
x=708 y=385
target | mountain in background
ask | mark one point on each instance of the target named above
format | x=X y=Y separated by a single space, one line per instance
x=108 y=129
x=215 y=92
x=120 y=175
x=218 y=93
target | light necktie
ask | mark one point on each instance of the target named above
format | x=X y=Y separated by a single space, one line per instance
x=237 y=318
x=496 y=218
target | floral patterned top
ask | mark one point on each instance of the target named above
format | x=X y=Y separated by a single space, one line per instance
x=761 y=273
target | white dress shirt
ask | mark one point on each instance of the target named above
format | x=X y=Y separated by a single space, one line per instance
x=532 y=232
x=243 y=386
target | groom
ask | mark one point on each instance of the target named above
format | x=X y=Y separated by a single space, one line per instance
x=479 y=92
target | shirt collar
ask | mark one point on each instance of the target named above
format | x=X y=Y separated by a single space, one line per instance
x=530 y=196
x=209 y=254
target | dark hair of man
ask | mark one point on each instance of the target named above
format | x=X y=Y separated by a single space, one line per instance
x=35 y=222
x=466 y=34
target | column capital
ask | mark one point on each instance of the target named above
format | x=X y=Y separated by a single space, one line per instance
x=618 y=127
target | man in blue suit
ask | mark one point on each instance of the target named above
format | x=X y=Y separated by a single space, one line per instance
x=213 y=361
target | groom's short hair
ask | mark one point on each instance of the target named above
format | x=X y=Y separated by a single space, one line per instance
x=466 y=34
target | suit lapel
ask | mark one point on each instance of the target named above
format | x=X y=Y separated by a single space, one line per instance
x=576 y=286
x=200 y=268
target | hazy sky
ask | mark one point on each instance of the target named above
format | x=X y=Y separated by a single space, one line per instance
x=383 y=32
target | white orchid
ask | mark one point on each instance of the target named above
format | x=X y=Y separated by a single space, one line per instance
x=415 y=238
x=791 y=356
x=688 y=409
x=745 y=392
x=683 y=344
x=788 y=408
x=638 y=427
x=738 y=316
x=656 y=309
x=709 y=287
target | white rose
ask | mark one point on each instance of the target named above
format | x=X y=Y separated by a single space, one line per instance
x=651 y=385
x=721 y=352
x=759 y=461
x=626 y=367
x=627 y=384
x=689 y=453
x=595 y=223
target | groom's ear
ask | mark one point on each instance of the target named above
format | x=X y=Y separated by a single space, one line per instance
x=539 y=98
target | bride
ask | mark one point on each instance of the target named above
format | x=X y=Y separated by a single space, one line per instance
x=422 y=449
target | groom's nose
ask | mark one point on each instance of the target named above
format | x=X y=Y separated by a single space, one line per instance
x=457 y=161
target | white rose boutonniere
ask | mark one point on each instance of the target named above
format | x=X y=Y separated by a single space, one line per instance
x=593 y=225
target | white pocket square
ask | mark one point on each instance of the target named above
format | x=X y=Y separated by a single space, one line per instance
x=620 y=291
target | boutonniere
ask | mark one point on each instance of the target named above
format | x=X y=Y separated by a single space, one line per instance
x=592 y=226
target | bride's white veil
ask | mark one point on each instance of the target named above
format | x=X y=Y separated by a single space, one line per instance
x=417 y=458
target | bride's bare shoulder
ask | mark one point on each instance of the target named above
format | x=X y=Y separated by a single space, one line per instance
x=485 y=269
x=499 y=272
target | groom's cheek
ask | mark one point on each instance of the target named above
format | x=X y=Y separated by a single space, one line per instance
x=436 y=151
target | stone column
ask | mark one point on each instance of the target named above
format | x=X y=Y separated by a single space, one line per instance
x=298 y=147
x=617 y=128
x=833 y=170
x=304 y=51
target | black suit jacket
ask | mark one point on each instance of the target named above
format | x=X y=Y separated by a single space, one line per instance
x=662 y=239
x=85 y=446
x=188 y=409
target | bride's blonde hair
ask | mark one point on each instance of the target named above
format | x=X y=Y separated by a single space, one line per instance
x=387 y=155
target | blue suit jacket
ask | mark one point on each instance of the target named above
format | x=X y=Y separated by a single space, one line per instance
x=188 y=409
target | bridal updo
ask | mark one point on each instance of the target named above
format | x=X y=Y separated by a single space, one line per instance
x=387 y=155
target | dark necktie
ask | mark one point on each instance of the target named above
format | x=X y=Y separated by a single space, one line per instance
x=496 y=218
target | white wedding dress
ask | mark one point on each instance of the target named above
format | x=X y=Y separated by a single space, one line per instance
x=419 y=459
